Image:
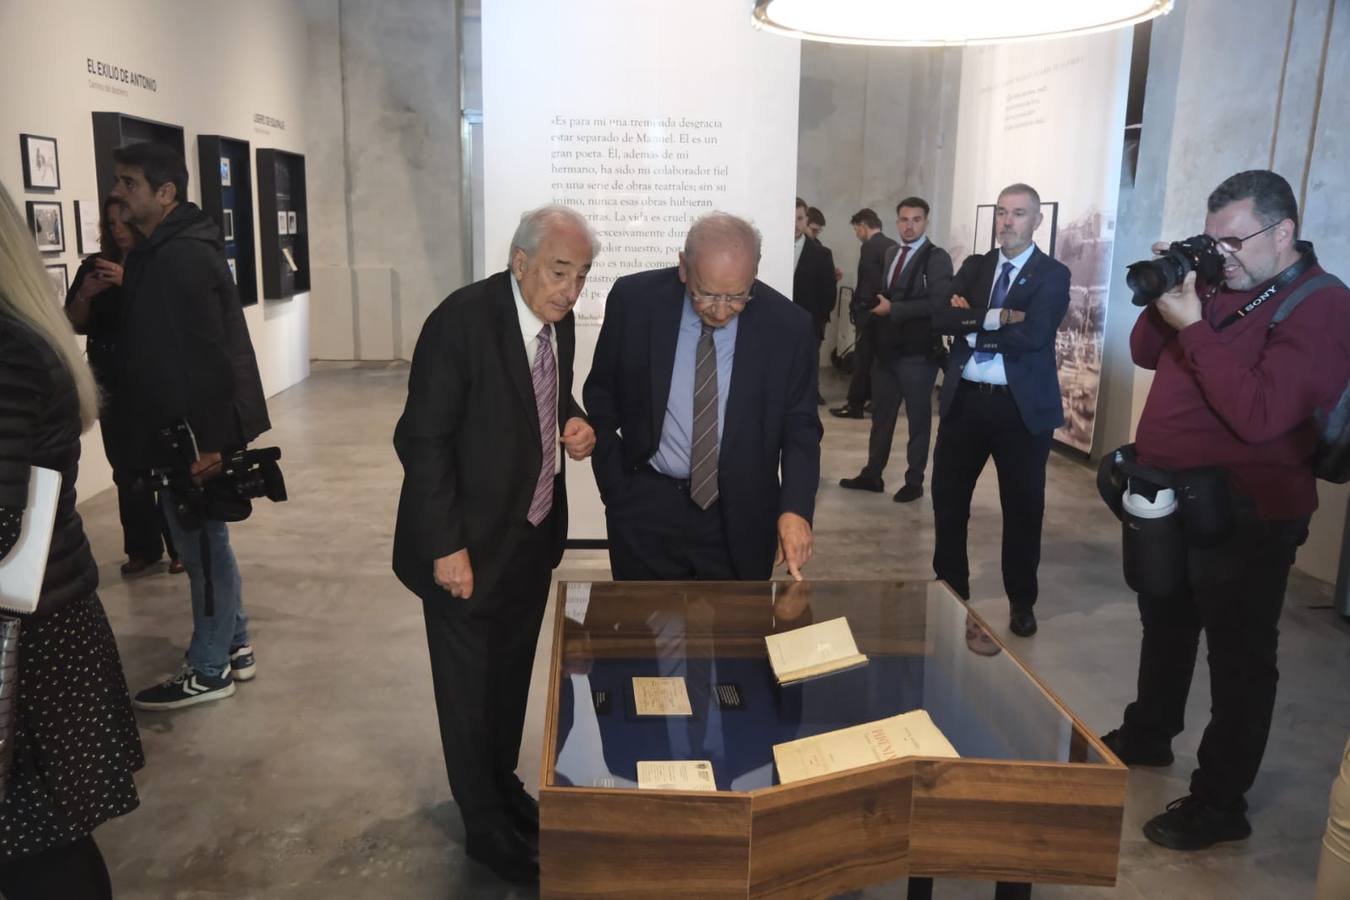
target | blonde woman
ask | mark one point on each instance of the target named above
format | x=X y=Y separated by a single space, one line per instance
x=75 y=739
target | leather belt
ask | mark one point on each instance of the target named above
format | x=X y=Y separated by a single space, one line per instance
x=984 y=387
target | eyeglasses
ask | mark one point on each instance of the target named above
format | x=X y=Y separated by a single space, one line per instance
x=1234 y=244
x=732 y=300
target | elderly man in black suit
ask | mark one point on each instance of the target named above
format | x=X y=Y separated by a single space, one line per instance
x=483 y=513
x=702 y=390
x=1000 y=398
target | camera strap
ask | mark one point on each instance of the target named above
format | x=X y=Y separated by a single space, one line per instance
x=1277 y=284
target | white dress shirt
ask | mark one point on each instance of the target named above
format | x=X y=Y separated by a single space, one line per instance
x=913 y=252
x=797 y=246
x=992 y=371
x=530 y=325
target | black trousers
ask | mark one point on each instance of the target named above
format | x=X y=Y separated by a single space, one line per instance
x=145 y=534
x=1235 y=595
x=980 y=424
x=481 y=660
x=897 y=381
x=656 y=533
x=74 y=871
x=860 y=385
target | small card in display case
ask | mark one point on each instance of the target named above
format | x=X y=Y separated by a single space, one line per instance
x=676 y=775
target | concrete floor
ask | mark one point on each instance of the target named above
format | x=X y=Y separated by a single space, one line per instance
x=323 y=778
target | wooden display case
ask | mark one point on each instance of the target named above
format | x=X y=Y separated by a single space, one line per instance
x=227 y=196
x=283 y=223
x=1035 y=796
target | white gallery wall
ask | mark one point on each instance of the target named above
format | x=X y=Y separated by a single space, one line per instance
x=209 y=67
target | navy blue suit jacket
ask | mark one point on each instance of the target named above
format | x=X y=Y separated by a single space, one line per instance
x=1028 y=347
x=771 y=417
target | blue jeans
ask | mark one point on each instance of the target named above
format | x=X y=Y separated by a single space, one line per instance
x=212 y=636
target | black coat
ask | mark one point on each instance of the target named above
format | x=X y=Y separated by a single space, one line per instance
x=813 y=283
x=926 y=280
x=772 y=422
x=469 y=439
x=40 y=426
x=185 y=348
x=871 y=275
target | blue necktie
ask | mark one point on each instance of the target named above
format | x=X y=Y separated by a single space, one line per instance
x=995 y=302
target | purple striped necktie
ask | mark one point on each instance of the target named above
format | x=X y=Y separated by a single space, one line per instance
x=545 y=377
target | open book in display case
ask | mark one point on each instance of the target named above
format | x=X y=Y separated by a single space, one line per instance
x=283 y=224
x=1033 y=797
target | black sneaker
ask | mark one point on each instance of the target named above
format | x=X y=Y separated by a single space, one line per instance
x=1192 y=824
x=188 y=688
x=1134 y=753
x=242 y=664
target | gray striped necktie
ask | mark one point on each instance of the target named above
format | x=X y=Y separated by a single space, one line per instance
x=703 y=452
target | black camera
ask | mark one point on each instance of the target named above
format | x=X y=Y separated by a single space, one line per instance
x=225 y=493
x=1151 y=278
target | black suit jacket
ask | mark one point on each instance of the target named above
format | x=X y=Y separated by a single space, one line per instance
x=871 y=274
x=1028 y=347
x=908 y=331
x=469 y=439
x=771 y=416
x=813 y=283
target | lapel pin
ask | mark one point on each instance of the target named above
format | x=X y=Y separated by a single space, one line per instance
x=1021 y=281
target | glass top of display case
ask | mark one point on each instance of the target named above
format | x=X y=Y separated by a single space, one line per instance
x=926 y=651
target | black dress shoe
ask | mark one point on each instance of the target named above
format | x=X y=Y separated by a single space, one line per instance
x=863 y=483
x=505 y=853
x=523 y=811
x=1192 y=824
x=136 y=565
x=908 y=494
x=847 y=412
x=1022 y=622
x=1137 y=753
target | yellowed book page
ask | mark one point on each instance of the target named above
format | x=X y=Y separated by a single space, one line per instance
x=661 y=697
x=911 y=734
x=676 y=775
x=814 y=650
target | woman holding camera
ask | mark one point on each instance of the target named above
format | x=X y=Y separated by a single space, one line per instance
x=75 y=744
x=94 y=305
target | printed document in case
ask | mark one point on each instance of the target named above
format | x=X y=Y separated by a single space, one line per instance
x=911 y=734
x=815 y=650
x=676 y=775
x=25 y=566
x=661 y=697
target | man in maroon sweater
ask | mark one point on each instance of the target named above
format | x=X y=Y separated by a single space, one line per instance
x=1233 y=392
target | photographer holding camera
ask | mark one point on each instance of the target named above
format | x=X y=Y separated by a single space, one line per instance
x=1221 y=483
x=187 y=357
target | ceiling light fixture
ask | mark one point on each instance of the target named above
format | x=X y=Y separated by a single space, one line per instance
x=948 y=22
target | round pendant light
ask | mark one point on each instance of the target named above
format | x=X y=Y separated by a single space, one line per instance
x=940 y=23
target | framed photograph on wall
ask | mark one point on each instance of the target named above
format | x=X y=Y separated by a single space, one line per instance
x=89 y=239
x=41 y=169
x=229 y=224
x=292 y=222
x=225 y=171
x=60 y=281
x=281 y=222
x=47 y=225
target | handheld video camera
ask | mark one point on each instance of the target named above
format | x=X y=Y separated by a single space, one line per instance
x=1149 y=279
x=225 y=493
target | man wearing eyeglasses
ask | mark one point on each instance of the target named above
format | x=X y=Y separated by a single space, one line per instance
x=701 y=391
x=1232 y=388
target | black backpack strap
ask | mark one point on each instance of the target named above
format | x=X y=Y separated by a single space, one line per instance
x=1300 y=293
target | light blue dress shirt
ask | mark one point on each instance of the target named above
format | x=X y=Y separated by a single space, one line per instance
x=677 y=432
x=992 y=371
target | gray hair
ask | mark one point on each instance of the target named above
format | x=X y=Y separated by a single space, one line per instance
x=722 y=230
x=1020 y=188
x=537 y=222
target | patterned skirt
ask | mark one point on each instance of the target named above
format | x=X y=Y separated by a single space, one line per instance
x=76 y=743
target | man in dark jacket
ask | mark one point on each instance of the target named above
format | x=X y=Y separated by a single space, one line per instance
x=187 y=357
x=812 y=277
x=905 y=361
x=871 y=281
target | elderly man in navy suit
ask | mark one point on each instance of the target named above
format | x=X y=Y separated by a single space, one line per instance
x=1000 y=398
x=703 y=388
